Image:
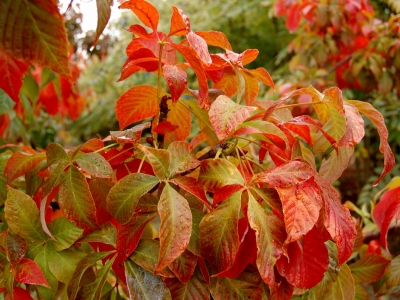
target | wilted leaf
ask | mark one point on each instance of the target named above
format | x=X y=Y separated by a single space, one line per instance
x=176 y=225
x=369 y=268
x=29 y=272
x=94 y=164
x=20 y=164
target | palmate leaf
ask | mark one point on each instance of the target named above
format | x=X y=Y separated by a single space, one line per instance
x=219 y=235
x=143 y=284
x=38 y=36
x=103 y=15
x=29 y=272
x=20 y=164
x=377 y=119
x=76 y=201
x=369 y=268
x=176 y=225
x=270 y=238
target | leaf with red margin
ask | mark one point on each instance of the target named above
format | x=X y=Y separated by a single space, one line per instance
x=131 y=135
x=38 y=36
x=225 y=192
x=11 y=76
x=332 y=168
x=355 y=127
x=228 y=83
x=145 y=11
x=307 y=261
x=129 y=234
x=195 y=63
x=138 y=103
x=29 y=272
x=262 y=75
x=176 y=225
x=219 y=235
x=251 y=88
x=191 y=186
x=176 y=80
x=76 y=201
x=178 y=115
x=183 y=267
x=385 y=211
x=20 y=164
x=226 y=116
x=142 y=59
x=338 y=220
x=182 y=157
x=165 y=127
x=180 y=23
x=301 y=204
x=216 y=173
x=215 y=38
x=200 y=46
x=15 y=247
x=369 y=268
x=196 y=288
x=289 y=174
x=270 y=238
x=377 y=119
x=103 y=15
x=140 y=31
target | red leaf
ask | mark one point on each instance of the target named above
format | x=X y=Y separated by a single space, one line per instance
x=133 y=166
x=385 y=211
x=20 y=164
x=225 y=192
x=302 y=130
x=92 y=145
x=293 y=17
x=228 y=83
x=191 y=186
x=307 y=261
x=180 y=23
x=140 y=31
x=184 y=266
x=142 y=59
x=165 y=127
x=200 y=46
x=12 y=71
x=4 y=123
x=19 y=294
x=129 y=234
x=282 y=291
x=138 y=103
x=15 y=247
x=100 y=187
x=355 y=127
x=49 y=97
x=178 y=114
x=262 y=75
x=145 y=11
x=251 y=88
x=29 y=272
x=176 y=80
x=215 y=38
x=377 y=119
x=338 y=220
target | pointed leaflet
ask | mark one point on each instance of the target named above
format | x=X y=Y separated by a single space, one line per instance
x=29 y=272
x=200 y=46
x=301 y=204
x=377 y=119
x=251 y=88
x=142 y=59
x=103 y=15
x=56 y=154
x=226 y=115
x=338 y=220
x=88 y=261
x=307 y=261
x=215 y=38
x=270 y=237
x=20 y=164
x=138 y=103
x=143 y=284
x=196 y=288
x=180 y=23
x=146 y=12
x=343 y=287
x=94 y=164
x=228 y=83
x=194 y=242
x=19 y=294
x=219 y=235
x=146 y=255
x=131 y=135
x=216 y=173
x=65 y=233
x=63 y=264
x=100 y=187
x=22 y=216
x=15 y=247
x=355 y=126
x=42 y=259
x=385 y=211
x=129 y=234
x=11 y=76
x=225 y=192
x=178 y=115
x=181 y=157
x=231 y=289
x=369 y=268
x=38 y=36
x=75 y=199
x=159 y=159
x=124 y=195
x=176 y=80
x=291 y=173
x=184 y=266
x=332 y=168
x=176 y=225
x=140 y=31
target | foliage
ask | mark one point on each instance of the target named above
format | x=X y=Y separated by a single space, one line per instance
x=240 y=211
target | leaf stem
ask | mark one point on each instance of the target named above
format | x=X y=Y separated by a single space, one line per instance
x=141 y=163
x=261 y=146
x=106 y=147
x=298 y=104
x=133 y=147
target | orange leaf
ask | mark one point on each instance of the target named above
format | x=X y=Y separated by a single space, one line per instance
x=249 y=55
x=215 y=38
x=145 y=11
x=262 y=75
x=178 y=114
x=20 y=164
x=200 y=46
x=251 y=88
x=176 y=80
x=180 y=23
x=228 y=82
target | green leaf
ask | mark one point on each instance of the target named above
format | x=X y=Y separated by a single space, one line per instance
x=103 y=15
x=76 y=201
x=194 y=242
x=219 y=235
x=65 y=232
x=335 y=126
x=181 y=157
x=33 y=180
x=94 y=164
x=6 y=103
x=20 y=164
x=56 y=154
x=57 y=175
x=94 y=289
x=217 y=173
x=270 y=238
x=159 y=159
x=22 y=216
x=146 y=255
x=332 y=168
x=38 y=36
x=42 y=259
x=107 y=235
x=124 y=195
x=88 y=261
x=176 y=225
x=232 y=289
x=63 y=264
x=143 y=284
x=343 y=288
x=369 y=268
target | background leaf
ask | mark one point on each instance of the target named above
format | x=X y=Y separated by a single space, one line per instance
x=369 y=268
x=103 y=15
